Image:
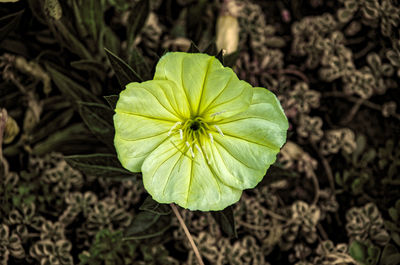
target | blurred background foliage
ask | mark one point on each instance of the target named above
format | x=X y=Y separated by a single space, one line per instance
x=332 y=197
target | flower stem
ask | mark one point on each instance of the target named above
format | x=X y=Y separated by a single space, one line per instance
x=188 y=235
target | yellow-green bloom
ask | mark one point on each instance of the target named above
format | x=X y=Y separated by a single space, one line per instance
x=197 y=133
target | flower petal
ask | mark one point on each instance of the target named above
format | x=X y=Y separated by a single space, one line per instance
x=208 y=85
x=155 y=98
x=224 y=95
x=250 y=142
x=169 y=175
x=145 y=113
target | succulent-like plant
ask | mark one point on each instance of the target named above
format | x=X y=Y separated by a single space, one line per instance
x=366 y=223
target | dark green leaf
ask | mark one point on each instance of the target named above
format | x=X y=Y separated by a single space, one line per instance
x=137 y=20
x=226 y=221
x=109 y=39
x=125 y=74
x=390 y=256
x=100 y=165
x=70 y=88
x=92 y=14
x=71 y=140
x=9 y=23
x=141 y=223
x=78 y=20
x=112 y=100
x=140 y=64
x=152 y=220
x=70 y=41
x=99 y=119
x=193 y=48
x=230 y=59
x=396 y=237
x=211 y=49
x=90 y=66
x=152 y=206
x=157 y=232
x=220 y=57
x=50 y=123
x=373 y=255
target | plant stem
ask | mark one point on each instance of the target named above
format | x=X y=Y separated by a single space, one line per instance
x=365 y=102
x=188 y=235
x=289 y=71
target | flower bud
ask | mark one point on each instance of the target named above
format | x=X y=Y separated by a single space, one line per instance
x=227 y=33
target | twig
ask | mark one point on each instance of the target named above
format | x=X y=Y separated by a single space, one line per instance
x=188 y=235
x=322 y=231
x=353 y=111
x=364 y=51
x=328 y=172
x=326 y=165
x=255 y=227
x=316 y=188
x=365 y=102
x=289 y=71
x=275 y=215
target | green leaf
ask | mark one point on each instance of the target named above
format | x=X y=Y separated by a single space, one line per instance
x=9 y=23
x=99 y=119
x=358 y=251
x=344 y=15
x=137 y=20
x=363 y=253
x=125 y=74
x=92 y=16
x=226 y=221
x=100 y=165
x=112 y=100
x=152 y=206
x=373 y=255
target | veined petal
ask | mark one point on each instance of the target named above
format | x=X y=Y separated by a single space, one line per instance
x=170 y=174
x=209 y=86
x=136 y=136
x=156 y=98
x=188 y=71
x=145 y=113
x=250 y=142
x=221 y=102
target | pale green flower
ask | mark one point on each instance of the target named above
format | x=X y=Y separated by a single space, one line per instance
x=197 y=133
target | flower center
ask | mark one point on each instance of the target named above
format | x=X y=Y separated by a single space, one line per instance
x=195 y=125
x=194 y=132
